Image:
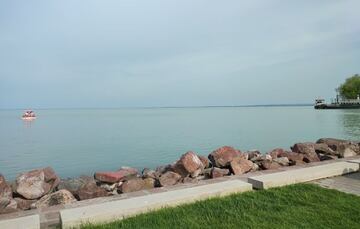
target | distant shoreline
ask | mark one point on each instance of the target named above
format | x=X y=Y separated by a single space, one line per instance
x=165 y=107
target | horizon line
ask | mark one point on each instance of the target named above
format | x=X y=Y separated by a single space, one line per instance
x=173 y=107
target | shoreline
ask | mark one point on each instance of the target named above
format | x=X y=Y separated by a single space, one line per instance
x=42 y=188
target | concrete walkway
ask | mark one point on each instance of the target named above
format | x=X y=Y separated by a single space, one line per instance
x=349 y=183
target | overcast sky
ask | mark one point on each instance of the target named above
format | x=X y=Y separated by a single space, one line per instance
x=174 y=53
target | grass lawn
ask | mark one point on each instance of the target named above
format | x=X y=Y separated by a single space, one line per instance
x=295 y=206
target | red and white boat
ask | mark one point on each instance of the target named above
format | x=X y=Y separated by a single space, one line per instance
x=29 y=115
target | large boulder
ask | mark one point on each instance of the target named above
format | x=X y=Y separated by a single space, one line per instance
x=7 y=203
x=283 y=161
x=113 y=177
x=294 y=158
x=5 y=188
x=132 y=185
x=205 y=161
x=149 y=183
x=163 y=169
x=346 y=150
x=36 y=183
x=188 y=164
x=267 y=164
x=322 y=148
x=240 y=165
x=261 y=157
x=276 y=153
x=137 y=184
x=191 y=162
x=308 y=150
x=333 y=143
x=73 y=185
x=253 y=154
x=90 y=191
x=169 y=178
x=217 y=172
x=223 y=156
x=60 y=197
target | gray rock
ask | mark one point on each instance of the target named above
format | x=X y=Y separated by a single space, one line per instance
x=5 y=188
x=333 y=143
x=253 y=154
x=148 y=173
x=74 y=184
x=283 y=161
x=24 y=204
x=346 y=150
x=109 y=187
x=255 y=167
x=90 y=191
x=263 y=157
x=57 y=198
x=169 y=178
x=7 y=205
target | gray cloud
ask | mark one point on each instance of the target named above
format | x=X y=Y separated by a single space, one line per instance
x=174 y=53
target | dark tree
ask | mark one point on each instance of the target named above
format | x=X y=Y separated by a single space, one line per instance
x=351 y=88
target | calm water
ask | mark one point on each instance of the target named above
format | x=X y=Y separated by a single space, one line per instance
x=76 y=142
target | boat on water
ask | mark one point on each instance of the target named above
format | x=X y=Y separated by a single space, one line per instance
x=338 y=103
x=28 y=115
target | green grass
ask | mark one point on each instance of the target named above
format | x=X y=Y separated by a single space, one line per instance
x=295 y=206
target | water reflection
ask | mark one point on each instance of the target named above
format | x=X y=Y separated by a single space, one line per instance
x=28 y=123
x=350 y=120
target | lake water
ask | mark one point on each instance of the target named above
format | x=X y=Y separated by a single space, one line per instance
x=76 y=142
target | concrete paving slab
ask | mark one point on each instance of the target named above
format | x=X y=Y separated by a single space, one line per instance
x=302 y=175
x=354 y=161
x=25 y=222
x=349 y=183
x=109 y=211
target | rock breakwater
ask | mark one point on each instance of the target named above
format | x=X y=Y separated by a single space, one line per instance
x=42 y=188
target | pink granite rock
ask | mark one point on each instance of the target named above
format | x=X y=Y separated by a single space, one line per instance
x=189 y=163
x=240 y=165
x=205 y=161
x=222 y=156
x=120 y=175
x=217 y=172
x=308 y=150
x=36 y=183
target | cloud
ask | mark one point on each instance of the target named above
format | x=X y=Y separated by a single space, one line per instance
x=169 y=53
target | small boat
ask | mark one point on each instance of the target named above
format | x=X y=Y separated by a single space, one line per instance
x=28 y=115
x=338 y=103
